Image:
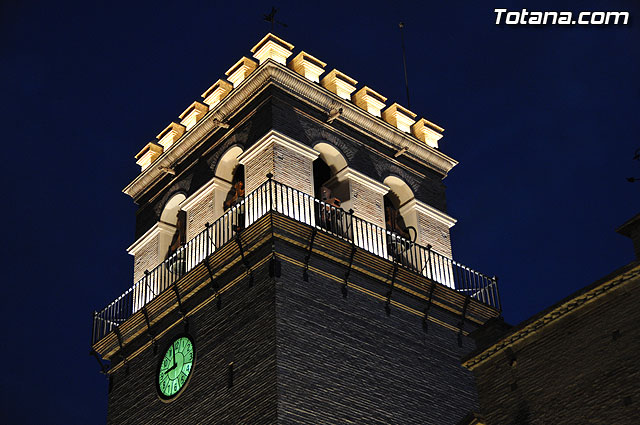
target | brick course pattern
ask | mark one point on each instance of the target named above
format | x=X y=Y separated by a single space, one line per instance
x=432 y=232
x=242 y=332
x=200 y=213
x=302 y=353
x=257 y=168
x=343 y=360
x=146 y=259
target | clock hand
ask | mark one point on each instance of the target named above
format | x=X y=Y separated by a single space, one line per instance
x=175 y=363
x=174 y=356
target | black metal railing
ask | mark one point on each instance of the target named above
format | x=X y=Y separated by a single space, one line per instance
x=277 y=197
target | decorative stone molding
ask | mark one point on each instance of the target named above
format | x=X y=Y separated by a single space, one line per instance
x=151 y=248
x=193 y=114
x=400 y=117
x=348 y=173
x=369 y=100
x=427 y=131
x=218 y=91
x=428 y=210
x=272 y=47
x=205 y=205
x=432 y=227
x=199 y=195
x=339 y=83
x=158 y=229
x=273 y=73
x=148 y=154
x=240 y=71
x=307 y=66
x=275 y=137
x=170 y=134
x=288 y=160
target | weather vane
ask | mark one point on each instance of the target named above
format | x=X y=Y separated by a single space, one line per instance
x=271 y=17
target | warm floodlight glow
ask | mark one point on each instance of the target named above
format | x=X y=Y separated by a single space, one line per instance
x=148 y=154
x=428 y=132
x=272 y=47
x=308 y=66
x=170 y=134
x=369 y=100
x=217 y=92
x=192 y=114
x=240 y=70
x=339 y=83
x=400 y=117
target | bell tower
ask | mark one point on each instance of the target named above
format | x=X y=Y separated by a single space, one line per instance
x=292 y=260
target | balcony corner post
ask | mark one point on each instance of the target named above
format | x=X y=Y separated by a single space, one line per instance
x=430 y=262
x=497 y=292
x=270 y=189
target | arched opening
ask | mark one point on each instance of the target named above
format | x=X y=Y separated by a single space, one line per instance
x=173 y=215
x=227 y=164
x=401 y=230
x=329 y=190
x=171 y=209
x=326 y=187
x=236 y=193
x=230 y=187
x=401 y=191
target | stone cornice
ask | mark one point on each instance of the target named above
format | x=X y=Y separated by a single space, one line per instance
x=428 y=210
x=271 y=72
x=275 y=137
x=157 y=229
x=350 y=174
x=203 y=192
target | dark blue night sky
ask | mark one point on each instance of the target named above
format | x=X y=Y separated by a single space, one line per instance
x=544 y=122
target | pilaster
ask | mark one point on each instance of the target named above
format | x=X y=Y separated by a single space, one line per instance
x=151 y=248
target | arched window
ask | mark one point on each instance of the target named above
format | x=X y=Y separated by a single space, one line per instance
x=329 y=190
x=229 y=182
x=325 y=167
x=401 y=230
x=173 y=215
x=236 y=193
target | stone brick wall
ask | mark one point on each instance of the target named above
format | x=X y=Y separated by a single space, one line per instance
x=303 y=353
x=205 y=206
x=290 y=162
x=367 y=203
x=150 y=249
x=198 y=215
x=434 y=233
x=343 y=360
x=293 y=169
x=257 y=168
x=242 y=332
x=146 y=259
x=581 y=368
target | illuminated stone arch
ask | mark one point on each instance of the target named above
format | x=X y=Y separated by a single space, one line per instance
x=399 y=199
x=399 y=190
x=173 y=215
x=331 y=156
x=171 y=209
x=227 y=172
x=326 y=167
x=228 y=163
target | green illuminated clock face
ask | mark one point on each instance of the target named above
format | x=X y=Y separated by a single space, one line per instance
x=175 y=368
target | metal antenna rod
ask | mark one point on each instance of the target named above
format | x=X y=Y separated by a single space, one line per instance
x=404 y=63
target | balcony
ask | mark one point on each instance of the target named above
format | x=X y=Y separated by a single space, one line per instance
x=274 y=197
